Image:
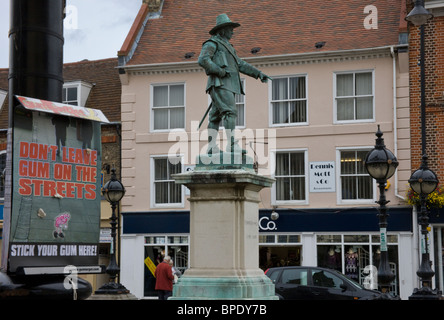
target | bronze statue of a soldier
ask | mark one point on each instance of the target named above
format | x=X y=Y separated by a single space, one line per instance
x=223 y=67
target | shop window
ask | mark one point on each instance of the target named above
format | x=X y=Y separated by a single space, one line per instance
x=278 y=250
x=155 y=249
x=357 y=256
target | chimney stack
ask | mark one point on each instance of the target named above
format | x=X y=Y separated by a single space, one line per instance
x=153 y=5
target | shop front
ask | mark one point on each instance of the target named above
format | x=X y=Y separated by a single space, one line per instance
x=343 y=239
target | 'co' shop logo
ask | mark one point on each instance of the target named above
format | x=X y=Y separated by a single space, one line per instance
x=267 y=225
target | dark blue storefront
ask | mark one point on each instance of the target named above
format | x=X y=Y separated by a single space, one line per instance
x=296 y=237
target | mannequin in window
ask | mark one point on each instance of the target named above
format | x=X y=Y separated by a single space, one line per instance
x=333 y=259
x=351 y=264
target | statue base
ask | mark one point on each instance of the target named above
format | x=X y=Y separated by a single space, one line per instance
x=224 y=161
x=224 y=244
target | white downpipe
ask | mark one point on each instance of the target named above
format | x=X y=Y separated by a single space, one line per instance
x=395 y=119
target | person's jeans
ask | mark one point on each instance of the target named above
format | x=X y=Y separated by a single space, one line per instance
x=164 y=294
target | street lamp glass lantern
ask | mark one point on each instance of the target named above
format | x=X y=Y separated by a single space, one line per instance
x=423 y=181
x=380 y=162
x=419 y=15
x=113 y=190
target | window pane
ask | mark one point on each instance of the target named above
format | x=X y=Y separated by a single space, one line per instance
x=72 y=94
x=326 y=279
x=282 y=188
x=356 y=238
x=298 y=111
x=160 y=96
x=240 y=120
x=365 y=185
x=161 y=192
x=280 y=89
x=345 y=109
x=175 y=192
x=364 y=108
x=282 y=164
x=177 y=118
x=160 y=169
x=174 y=166
x=297 y=88
x=297 y=191
x=160 y=119
x=266 y=239
x=348 y=187
x=177 y=95
x=348 y=162
x=297 y=166
x=280 y=112
x=344 y=84
x=363 y=83
x=294 y=276
x=360 y=159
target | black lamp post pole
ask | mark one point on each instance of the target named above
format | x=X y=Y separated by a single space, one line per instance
x=385 y=275
x=113 y=192
x=381 y=164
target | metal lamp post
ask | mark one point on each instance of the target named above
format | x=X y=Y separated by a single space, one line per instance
x=423 y=181
x=113 y=191
x=381 y=164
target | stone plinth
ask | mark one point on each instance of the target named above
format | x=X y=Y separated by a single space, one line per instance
x=224 y=253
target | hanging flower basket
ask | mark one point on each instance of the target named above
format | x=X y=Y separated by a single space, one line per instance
x=433 y=200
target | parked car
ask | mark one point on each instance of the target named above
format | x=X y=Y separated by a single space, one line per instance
x=315 y=283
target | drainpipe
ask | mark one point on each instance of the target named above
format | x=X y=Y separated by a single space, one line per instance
x=395 y=119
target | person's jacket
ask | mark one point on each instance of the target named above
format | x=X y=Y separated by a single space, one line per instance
x=222 y=65
x=164 y=277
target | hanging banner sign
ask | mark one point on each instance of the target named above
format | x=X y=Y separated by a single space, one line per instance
x=55 y=207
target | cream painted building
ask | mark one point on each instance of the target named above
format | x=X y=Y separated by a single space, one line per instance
x=310 y=129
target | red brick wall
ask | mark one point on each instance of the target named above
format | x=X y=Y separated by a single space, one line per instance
x=434 y=76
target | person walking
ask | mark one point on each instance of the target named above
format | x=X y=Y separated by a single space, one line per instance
x=164 y=279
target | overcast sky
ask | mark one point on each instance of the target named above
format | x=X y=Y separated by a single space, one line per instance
x=94 y=29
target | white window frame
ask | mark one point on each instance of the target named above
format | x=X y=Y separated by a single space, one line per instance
x=339 y=180
x=273 y=187
x=270 y=95
x=167 y=107
x=153 y=203
x=354 y=72
x=83 y=90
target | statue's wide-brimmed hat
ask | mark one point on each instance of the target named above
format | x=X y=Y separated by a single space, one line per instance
x=222 y=20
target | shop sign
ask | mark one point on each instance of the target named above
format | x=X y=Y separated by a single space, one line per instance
x=265 y=224
x=322 y=176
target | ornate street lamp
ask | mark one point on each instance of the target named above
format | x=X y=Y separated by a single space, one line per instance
x=424 y=181
x=381 y=164
x=113 y=191
x=419 y=15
